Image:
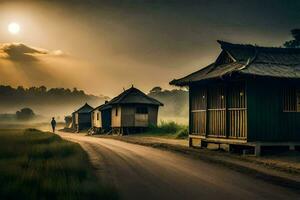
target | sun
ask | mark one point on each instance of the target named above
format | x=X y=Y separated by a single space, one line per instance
x=14 y=28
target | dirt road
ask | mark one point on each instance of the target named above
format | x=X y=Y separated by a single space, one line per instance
x=141 y=172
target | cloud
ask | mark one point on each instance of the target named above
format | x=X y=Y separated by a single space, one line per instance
x=21 y=53
x=25 y=65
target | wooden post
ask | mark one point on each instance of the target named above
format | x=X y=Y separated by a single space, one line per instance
x=207 y=120
x=190 y=110
x=257 y=150
x=226 y=112
x=190 y=142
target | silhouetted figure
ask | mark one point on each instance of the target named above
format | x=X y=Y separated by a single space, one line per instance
x=53 y=124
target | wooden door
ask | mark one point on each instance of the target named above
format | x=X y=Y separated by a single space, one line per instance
x=198 y=110
x=216 y=111
x=237 y=111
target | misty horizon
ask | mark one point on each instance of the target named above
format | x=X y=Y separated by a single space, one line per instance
x=61 y=102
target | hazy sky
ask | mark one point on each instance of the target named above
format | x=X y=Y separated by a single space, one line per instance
x=103 y=46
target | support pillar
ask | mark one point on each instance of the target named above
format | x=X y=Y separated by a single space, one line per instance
x=292 y=147
x=257 y=150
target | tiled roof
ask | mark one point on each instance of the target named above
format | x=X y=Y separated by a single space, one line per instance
x=250 y=60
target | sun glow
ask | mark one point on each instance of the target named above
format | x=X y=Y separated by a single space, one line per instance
x=14 y=28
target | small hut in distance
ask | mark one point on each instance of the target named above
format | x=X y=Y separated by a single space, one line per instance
x=133 y=111
x=81 y=118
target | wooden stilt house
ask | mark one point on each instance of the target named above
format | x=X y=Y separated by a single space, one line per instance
x=81 y=118
x=248 y=98
x=101 y=118
x=133 y=111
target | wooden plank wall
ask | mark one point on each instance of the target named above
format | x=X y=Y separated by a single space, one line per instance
x=267 y=118
x=128 y=116
x=132 y=119
x=289 y=99
x=106 y=119
x=153 y=114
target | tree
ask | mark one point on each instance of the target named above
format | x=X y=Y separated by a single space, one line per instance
x=156 y=89
x=42 y=89
x=295 y=43
x=25 y=114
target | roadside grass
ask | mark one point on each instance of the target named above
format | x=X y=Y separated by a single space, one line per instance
x=168 y=130
x=41 y=165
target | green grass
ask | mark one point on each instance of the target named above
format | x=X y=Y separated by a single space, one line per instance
x=39 y=165
x=168 y=129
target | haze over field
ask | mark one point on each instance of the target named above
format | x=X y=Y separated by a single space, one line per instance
x=59 y=102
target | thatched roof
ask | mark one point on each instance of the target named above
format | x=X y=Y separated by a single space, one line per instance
x=86 y=108
x=134 y=96
x=249 y=60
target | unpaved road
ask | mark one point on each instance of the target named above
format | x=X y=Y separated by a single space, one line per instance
x=141 y=172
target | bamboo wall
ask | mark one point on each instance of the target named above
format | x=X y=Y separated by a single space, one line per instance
x=219 y=110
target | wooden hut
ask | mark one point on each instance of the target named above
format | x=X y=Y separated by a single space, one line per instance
x=132 y=111
x=101 y=118
x=249 y=98
x=82 y=118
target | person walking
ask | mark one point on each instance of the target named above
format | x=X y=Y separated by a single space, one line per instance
x=53 y=124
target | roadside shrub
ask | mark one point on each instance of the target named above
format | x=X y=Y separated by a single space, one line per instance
x=182 y=133
x=171 y=129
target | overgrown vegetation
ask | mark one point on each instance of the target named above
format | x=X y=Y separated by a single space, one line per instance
x=169 y=129
x=39 y=165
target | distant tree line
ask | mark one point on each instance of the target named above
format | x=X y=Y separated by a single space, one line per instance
x=175 y=101
x=42 y=95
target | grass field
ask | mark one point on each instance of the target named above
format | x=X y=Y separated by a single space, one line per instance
x=168 y=130
x=39 y=165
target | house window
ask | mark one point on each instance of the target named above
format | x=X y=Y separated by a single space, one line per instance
x=98 y=116
x=141 y=110
x=116 y=113
x=291 y=100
